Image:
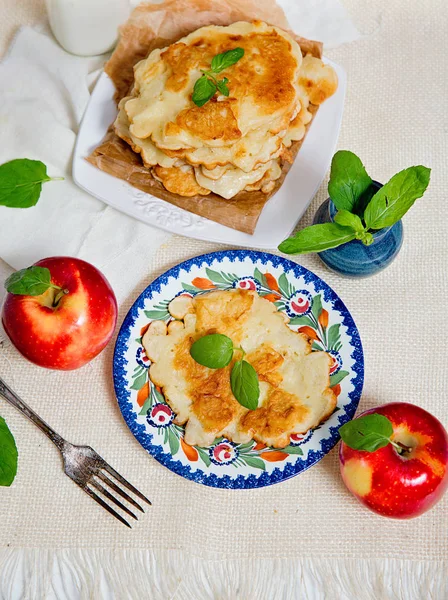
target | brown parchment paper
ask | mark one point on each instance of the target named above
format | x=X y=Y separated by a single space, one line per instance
x=157 y=25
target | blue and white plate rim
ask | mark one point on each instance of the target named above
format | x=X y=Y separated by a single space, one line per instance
x=212 y=260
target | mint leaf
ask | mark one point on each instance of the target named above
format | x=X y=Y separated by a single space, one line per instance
x=32 y=281
x=8 y=455
x=245 y=385
x=214 y=351
x=203 y=90
x=207 y=85
x=21 y=182
x=226 y=59
x=348 y=219
x=317 y=238
x=396 y=197
x=348 y=180
x=222 y=87
x=364 y=200
x=368 y=433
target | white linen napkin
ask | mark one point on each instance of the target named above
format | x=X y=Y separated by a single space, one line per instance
x=42 y=100
x=41 y=108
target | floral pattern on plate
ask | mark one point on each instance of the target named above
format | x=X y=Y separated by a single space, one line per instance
x=313 y=308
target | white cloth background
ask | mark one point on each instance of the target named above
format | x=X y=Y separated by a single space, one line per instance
x=305 y=538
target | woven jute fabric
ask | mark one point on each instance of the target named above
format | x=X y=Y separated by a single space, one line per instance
x=14 y=14
x=395 y=117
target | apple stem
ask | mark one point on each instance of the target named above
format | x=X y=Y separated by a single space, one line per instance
x=401 y=448
x=59 y=295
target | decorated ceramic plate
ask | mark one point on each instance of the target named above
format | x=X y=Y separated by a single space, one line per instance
x=313 y=307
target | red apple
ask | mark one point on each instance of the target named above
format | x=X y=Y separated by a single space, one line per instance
x=402 y=480
x=65 y=328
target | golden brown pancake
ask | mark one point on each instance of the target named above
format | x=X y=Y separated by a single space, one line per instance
x=294 y=382
x=246 y=133
x=179 y=180
x=263 y=85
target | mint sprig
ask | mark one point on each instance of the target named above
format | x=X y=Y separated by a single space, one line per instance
x=360 y=211
x=370 y=433
x=33 y=281
x=207 y=85
x=21 y=182
x=215 y=351
x=348 y=180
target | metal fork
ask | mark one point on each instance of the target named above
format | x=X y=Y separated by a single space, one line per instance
x=82 y=464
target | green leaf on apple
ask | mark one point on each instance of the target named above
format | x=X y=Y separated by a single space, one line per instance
x=32 y=281
x=8 y=455
x=369 y=433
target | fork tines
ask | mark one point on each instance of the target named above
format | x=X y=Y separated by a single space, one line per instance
x=117 y=489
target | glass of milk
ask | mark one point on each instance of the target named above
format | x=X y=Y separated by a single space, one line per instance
x=87 y=27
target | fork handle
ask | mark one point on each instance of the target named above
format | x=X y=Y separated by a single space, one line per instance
x=9 y=395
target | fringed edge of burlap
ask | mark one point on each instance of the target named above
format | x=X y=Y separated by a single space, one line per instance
x=37 y=574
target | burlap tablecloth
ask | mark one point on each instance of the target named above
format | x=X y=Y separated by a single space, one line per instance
x=395 y=116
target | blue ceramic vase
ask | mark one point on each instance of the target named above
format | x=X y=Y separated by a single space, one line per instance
x=354 y=259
